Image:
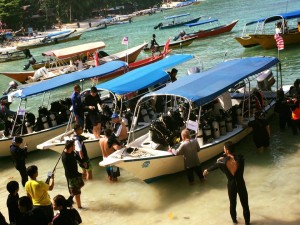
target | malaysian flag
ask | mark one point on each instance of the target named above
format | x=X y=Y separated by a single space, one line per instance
x=279 y=41
x=125 y=41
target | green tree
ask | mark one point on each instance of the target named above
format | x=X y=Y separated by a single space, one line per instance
x=11 y=13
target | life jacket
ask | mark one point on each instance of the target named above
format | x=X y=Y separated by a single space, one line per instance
x=296 y=114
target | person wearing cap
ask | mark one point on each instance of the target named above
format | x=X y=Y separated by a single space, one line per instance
x=92 y=104
x=173 y=74
x=77 y=105
x=120 y=129
x=19 y=156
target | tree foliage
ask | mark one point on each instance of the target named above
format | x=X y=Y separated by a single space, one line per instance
x=18 y=13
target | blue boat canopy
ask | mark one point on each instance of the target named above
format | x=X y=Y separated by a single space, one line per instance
x=176 y=16
x=144 y=77
x=56 y=82
x=286 y=16
x=204 y=87
x=201 y=22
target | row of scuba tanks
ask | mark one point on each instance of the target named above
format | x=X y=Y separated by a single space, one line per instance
x=214 y=127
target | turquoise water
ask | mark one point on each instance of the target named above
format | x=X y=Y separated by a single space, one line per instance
x=272 y=177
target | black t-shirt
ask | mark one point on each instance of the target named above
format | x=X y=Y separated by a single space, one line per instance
x=67 y=217
x=93 y=101
x=70 y=164
x=18 y=155
x=13 y=209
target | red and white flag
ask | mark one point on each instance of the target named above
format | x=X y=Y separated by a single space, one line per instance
x=166 y=48
x=279 y=41
x=125 y=41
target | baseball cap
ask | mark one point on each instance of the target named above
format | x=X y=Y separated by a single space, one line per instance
x=18 y=140
x=114 y=115
x=94 y=89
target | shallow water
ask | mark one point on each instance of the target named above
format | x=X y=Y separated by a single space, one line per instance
x=272 y=177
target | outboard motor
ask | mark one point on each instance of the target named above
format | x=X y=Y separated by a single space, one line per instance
x=180 y=35
x=158 y=26
x=265 y=80
x=151 y=113
x=29 y=127
x=215 y=128
x=193 y=70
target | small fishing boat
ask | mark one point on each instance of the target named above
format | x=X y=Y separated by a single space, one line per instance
x=286 y=26
x=11 y=54
x=50 y=121
x=36 y=43
x=214 y=28
x=89 y=29
x=174 y=44
x=172 y=21
x=208 y=105
x=126 y=89
x=57 y=60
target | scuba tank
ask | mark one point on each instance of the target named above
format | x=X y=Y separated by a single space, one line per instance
x=239 y=115
x=228 y=123
x=29 y=127
x=145 y=115
x=200 y=136
x=222 y=126
x=207 y=132
x=151 y=113
x=45 y=122
x=53 y=120
x=215 y=128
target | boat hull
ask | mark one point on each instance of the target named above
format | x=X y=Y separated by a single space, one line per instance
x=32 y=139
x=179 y=24
x=92 y=144
x=267 y=41
x=51 y=42
x=213 y=31
x=247 y=41
x=19 y=76
x=175 y=44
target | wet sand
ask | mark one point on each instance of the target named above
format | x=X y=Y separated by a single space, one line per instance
x=272 y=180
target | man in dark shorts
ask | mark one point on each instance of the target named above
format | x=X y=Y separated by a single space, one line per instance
x=261 y=131
x=74 y=178
x=81 y=153
x=92 y=102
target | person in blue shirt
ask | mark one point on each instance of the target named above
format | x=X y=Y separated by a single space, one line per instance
x=77 y=105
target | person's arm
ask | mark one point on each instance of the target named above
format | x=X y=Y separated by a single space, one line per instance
x=118 y=132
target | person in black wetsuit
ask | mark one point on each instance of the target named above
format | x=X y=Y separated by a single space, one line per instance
x=19 y=156
x=233 y=167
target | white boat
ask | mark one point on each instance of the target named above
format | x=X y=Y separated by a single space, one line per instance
x=125 y=89
x=211 y=109
x=42 y=126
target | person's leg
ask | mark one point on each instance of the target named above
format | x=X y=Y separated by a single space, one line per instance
x=232 y=194
x=96 y=130
x=78 y=201
x=243 y=194
x=190 y=175
x=23 y=173
x=199 y=172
